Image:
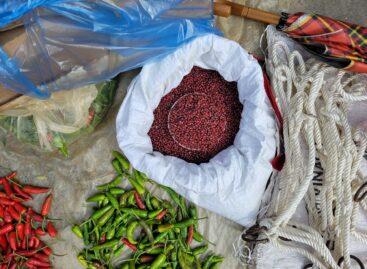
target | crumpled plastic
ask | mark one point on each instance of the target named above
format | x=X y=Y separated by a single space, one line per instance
x=70 y=44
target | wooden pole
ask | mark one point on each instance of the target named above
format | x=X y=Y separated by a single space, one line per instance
x=249 y=13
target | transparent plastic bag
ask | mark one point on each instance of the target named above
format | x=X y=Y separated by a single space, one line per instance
x=70 y=44
x=60 y=120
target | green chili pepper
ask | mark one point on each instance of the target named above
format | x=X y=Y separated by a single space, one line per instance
x=139 y=188
x=119 y=250
x=100 y=212
x=85 y=235
x=139 y=178
x=110 y=234
x=165 y=227
x=171 y=235
x=171 y=210
x=113 y=201
x=96 y=198
x=160 y=237
x=182 y=244
x=76 y=230
x=131 y=200
x=155 y=213
x=96 y=232
x=105 y=202
x=82 y=261
x=147 y=230
x=198 y=263
x=130 y=232
x=212 y=260
x=123 y=161
x=116 y=164
x=183 y=232
x=198 y=237
x=118 y=220
x=148 y=203
x=111 y=184
x=155 y=203
x=132 y=265
x=136 y=212
x=155 y=251
x=109 y=244
x=124 y=197
x=125 y=266
x=199 y=250
x=158 y=262
x=176 y=198
x=117 y=191
x=194 y=215
x=184 y=261
x=121 y=231
x=102 y=221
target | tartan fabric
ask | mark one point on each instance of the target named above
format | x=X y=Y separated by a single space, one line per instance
x=341 y=44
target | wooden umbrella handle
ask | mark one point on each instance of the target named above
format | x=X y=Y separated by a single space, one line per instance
x=222 y=10
x=250 y=13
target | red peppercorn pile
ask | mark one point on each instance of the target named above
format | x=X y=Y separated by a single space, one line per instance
x=198 y=119
x=21 y=227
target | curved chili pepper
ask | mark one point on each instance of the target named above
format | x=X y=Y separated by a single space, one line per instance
x=111 y=184
x=96 y=198
x=36 y=217
x=13 y=213
x=21 y=193
x=6 y=228
x=139 y=188
x=109 y=244
x=46 y=206
x=7 y=217
x=123 y=161
x=51 y=230
x=6 y=201
x=7 y=188
x=36 y=262
x=41 y=257
x=161 y=215
x=190 y=235
x=40 y=232
x=19 y=228
x=139 y=201
x=158 y=262
x=130 y=232
x=3 y=243
x=47 y=251
x=13 y=241
x=20 y=208
x=77 y=231
x=35 y=190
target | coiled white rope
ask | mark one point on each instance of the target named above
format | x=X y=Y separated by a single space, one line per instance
x=316 y=128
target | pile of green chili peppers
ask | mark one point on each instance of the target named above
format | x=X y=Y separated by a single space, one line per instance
x=147 y=231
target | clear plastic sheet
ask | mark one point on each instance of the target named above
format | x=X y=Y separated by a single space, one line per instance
x=70 y=44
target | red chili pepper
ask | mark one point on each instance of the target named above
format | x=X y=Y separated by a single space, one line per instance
x=7 y=216
x=7 y=188
x=36 y=217
x=46 y=205
x=129 y=245
x=146 y=258
x=41 y=257
x=20 y=208
x=11 y=175
x=40 y=232
x=35 y=190
x=6 y=201
x=161 y=215
x=13 y=265
x=47 y=251
x=4 y=266
x=138 y=200
x=51 y=229
x=36 y=262
x=3 y=194
x=1 y=212
x=190 y=235
x=26 y=253
x=24 y=243
x=21 y=193
x=35 y=242
x=6 y=228
x=13 y=240
x=20 y=231
x=3 y=242
x=13 y=213
x=27 y=225
x=17 y=198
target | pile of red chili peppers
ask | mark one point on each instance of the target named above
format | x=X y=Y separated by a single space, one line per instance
x=21 y=227
x=199 y=118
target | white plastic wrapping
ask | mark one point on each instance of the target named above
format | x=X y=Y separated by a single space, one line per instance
x=232 y=183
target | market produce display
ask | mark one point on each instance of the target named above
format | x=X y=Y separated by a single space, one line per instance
x=25 y=127
x=199 y=118
x=21 y=228
x=131 y=228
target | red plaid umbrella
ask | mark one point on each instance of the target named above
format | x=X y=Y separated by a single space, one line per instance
x=340 y=44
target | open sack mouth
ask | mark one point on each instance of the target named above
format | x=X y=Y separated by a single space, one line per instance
x=204 y=126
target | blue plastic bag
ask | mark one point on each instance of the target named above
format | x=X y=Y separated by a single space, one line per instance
x=73 y=43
